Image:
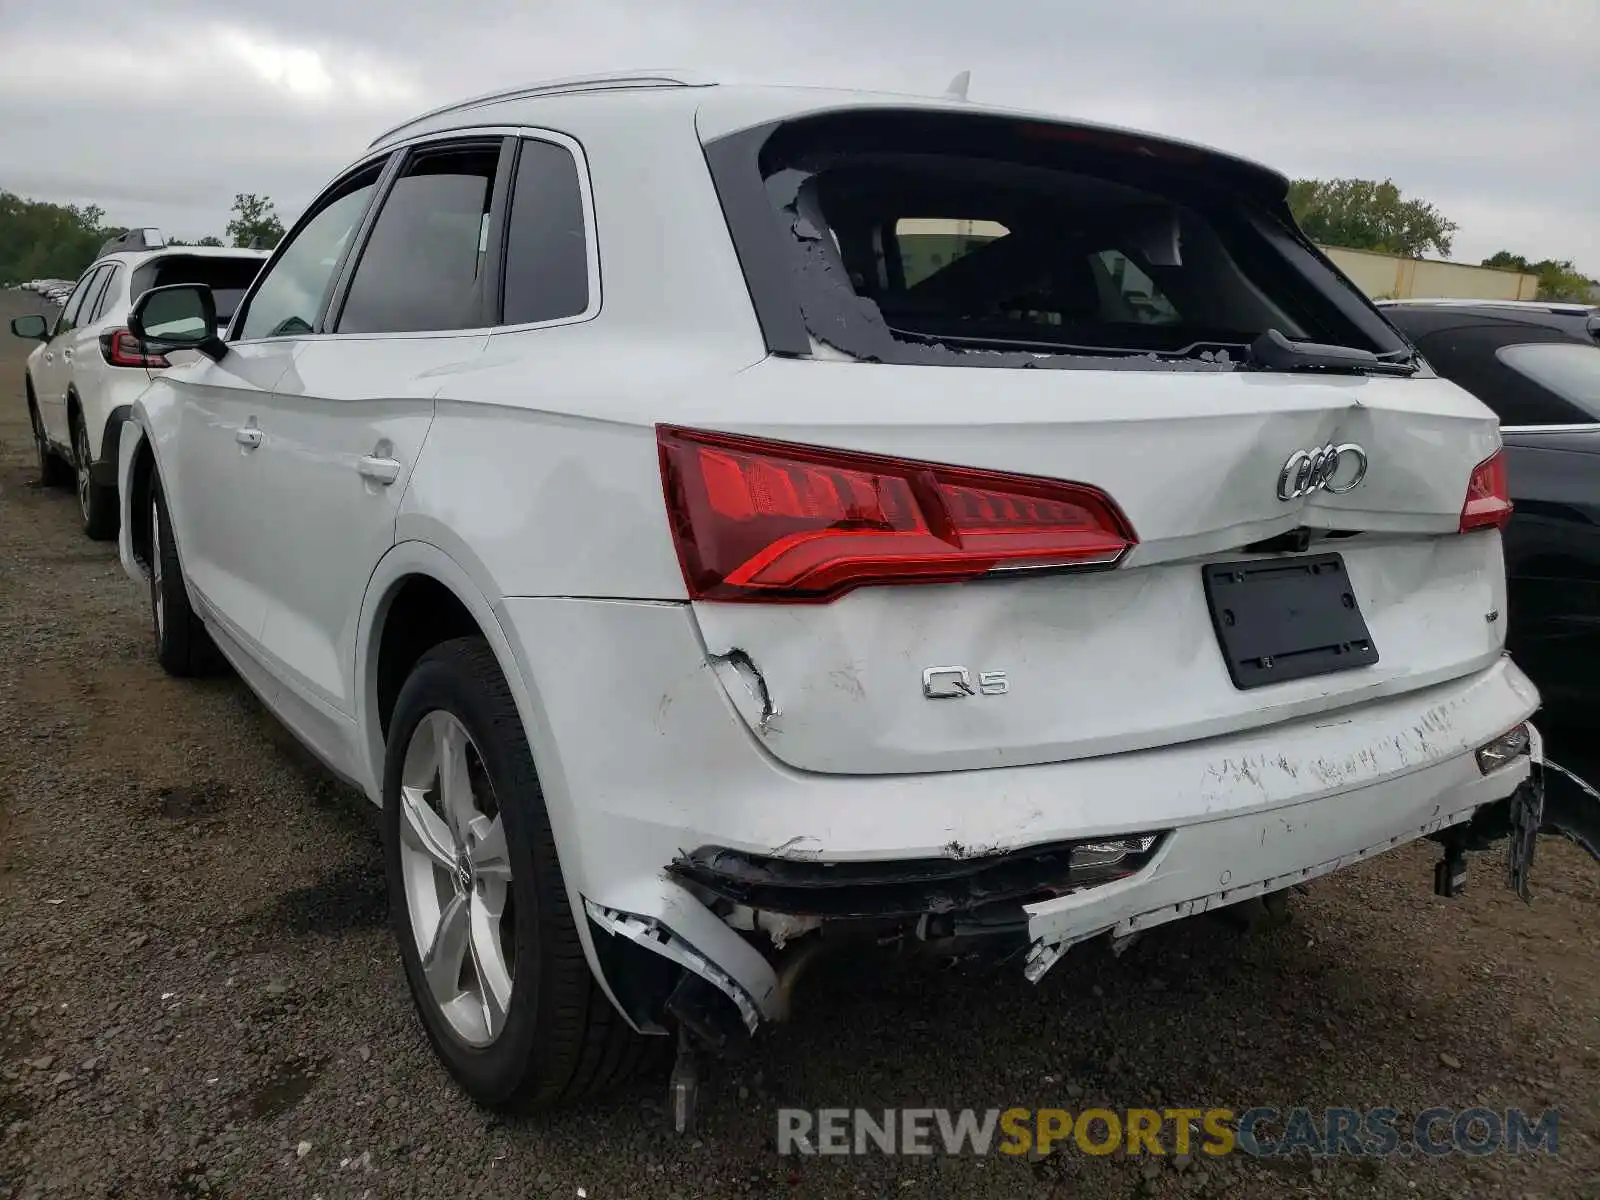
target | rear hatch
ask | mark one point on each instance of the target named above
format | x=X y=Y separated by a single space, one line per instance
x=1070 y=444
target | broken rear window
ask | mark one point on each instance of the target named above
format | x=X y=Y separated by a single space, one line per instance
x=899 y=230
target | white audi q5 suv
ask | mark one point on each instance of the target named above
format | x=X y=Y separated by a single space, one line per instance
x=720 y=523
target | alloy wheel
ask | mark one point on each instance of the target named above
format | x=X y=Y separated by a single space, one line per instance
x=80 y=454
x=457 y=878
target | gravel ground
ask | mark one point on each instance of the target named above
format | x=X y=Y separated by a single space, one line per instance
x=199 y=995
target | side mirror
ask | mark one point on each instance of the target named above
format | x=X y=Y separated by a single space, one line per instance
x=180 y=316
x=33 y=327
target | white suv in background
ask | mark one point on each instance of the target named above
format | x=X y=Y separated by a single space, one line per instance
x=718 y=524
x=82 y=379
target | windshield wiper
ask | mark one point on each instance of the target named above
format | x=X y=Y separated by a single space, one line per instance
x=1274 y=352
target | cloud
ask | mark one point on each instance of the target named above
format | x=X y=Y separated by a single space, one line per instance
x=1485 y=109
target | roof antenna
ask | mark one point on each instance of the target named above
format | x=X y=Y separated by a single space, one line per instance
x=958 y=86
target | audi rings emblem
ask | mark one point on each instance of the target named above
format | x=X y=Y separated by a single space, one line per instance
x=1329 y=468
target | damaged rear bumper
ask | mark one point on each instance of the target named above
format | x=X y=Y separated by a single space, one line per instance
x=708 y=871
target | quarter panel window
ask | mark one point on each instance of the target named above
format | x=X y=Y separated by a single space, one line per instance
x=292 y=290
x=547 y=255
x=422 y=268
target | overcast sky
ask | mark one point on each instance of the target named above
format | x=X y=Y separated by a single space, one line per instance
x=159 y=112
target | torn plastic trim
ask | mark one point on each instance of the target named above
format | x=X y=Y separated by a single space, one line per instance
x=754 y=682
x=656 y=937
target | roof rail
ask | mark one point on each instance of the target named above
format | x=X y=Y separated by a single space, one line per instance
x=1571 y=307
x=134 y=239
x=558 y=87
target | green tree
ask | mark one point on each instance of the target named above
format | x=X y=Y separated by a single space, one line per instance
x=1558 y=278
x=1364 y=214
x=255 y=222
x=210 y=239
x=40 y=240
x=1504 y=260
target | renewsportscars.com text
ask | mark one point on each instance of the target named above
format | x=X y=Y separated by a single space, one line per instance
x=1260 y=1132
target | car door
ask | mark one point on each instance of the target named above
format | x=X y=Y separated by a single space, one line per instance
x=85 y=364
x=345 y=425
x=1545 y=387
x=53 y=375
x=1553 y=541
x=215 y=493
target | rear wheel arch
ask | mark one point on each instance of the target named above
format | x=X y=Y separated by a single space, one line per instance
x=419 y=613
x=418 y=575
x=78 y=411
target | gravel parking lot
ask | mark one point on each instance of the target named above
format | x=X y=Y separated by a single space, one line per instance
x=199 y=994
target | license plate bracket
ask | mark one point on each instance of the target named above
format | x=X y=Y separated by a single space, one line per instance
x=1286 y=618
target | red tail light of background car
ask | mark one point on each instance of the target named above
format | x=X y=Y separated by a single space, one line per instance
x=121 y=349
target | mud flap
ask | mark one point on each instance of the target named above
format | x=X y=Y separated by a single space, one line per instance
x=1553 y=801
x=1571 y=808
x=1526 y=817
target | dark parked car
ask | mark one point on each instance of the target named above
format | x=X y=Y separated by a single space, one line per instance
x=1538 y=368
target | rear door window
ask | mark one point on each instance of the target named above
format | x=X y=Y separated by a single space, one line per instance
x=1505 y=365
x=423 y=267
x=108 y=293
x=68 y=320
x=927 y=245
x=1570 y=370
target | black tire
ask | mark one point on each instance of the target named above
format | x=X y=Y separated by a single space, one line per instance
x=97 y=503
x=52 y=471
x=183 y=647
x=562 y=1039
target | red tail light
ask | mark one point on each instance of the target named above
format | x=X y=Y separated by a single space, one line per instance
x=1488 y=503
x=757 y=520
x=121 y=349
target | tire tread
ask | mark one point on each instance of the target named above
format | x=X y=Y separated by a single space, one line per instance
x=186 y=651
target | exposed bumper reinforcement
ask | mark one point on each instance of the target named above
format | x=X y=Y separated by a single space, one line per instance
x=1218 y=863
x=644 y=1000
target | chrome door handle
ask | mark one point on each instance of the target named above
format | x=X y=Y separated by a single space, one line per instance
x=379 y=470
x=49 y=356
x=67 y=354
x=249 y=437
